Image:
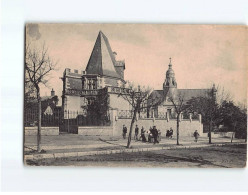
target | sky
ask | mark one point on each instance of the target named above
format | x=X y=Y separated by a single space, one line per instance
x=201 y=54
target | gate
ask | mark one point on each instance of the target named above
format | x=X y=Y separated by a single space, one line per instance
x=69 y=123
x=71 y=120
x=69 y=126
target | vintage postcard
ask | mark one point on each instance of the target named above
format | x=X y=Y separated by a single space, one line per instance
x=135 y=95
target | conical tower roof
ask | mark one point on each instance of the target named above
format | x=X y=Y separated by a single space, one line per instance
x=102 y=60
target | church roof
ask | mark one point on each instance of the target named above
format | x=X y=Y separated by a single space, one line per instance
x=157 y=95
x=190 y=93
x=102 y=60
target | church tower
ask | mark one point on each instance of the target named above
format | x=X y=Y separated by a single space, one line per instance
x=170 y=84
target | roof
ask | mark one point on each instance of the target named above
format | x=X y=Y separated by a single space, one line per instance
x=45 y=102
x=190 y=93
x=102 y=60
x=74 y=74
x=157 y=95
x=44 y=98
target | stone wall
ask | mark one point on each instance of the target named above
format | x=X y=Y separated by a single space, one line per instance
x=186 y=128
x=220 y=134
x=96 y=131
x=44 y=130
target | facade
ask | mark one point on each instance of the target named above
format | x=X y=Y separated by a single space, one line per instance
x=102 y=78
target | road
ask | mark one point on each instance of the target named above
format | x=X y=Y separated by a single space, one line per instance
x=215 y=157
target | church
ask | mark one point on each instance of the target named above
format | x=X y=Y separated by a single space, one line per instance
x=160 y=100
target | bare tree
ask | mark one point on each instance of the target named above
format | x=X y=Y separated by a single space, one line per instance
x=38 y=65
x=179 y=105
x=137 y=97
x=223 y=95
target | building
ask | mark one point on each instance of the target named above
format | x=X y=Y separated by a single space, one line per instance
x=91 y=97
x=103 y=77
x=161 y=99
x=50 y=111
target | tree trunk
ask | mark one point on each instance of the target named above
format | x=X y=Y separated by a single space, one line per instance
x=233 y=132
x=232 y=137
x=209 y=132
x=39 y=121
x=178 y=118
x=131 y=129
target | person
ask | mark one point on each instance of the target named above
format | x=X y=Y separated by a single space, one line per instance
x=171 y=132
x=143 y=137
x=150 y=135
x=155 y=135
x=124 y=131
x=196 y=135
x=136 y=132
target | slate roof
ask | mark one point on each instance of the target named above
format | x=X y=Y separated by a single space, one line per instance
x=102 y=60
x=190 y=93
x=187 y=93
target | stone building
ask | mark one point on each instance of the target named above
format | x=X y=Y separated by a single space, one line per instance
x=104 y=75
x=164 y=108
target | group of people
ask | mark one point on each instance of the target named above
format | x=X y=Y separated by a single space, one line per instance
x=153 y=135
x=169 y=133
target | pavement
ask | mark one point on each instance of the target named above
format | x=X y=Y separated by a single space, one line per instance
x=71 y=145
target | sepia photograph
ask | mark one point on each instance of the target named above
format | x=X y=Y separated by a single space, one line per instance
x=135 y=95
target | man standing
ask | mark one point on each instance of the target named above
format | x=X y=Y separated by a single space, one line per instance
x=155 y=135
x=136 y=132
x=143 y=134
x=124 y=131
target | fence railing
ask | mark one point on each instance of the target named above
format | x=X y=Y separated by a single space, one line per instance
x=127 y=114
x=51 y=119
x=67 y=117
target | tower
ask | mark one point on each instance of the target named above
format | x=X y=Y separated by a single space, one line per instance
x=170 y=84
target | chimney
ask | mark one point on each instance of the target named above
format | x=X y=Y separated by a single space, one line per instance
x=114 y=54
x=52 y=93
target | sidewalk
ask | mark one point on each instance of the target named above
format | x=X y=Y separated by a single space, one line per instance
x=68 y=145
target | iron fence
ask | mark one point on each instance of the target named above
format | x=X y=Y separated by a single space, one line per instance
x=51 y=119
x=65 y=118
x=127 y=114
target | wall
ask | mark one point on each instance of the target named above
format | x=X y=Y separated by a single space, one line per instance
x=44 y=130
x=220 y=134
x=96 y=131
x=186 y=127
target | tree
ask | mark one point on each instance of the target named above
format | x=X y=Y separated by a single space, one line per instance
x=207 y=106
x=179 y=105
x=99 y=108
x=137 y=97
x=233 y=118
x=38 y=65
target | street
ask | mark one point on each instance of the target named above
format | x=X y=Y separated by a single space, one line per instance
x=199 y=155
